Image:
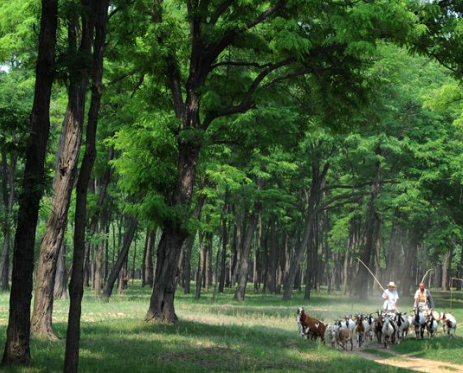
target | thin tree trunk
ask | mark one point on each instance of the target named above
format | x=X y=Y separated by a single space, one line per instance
x=208 y=262
x=60 y=289
x=76 y=287
x=244 y=258
x=201 y=262
x=364 y=278
x=121 y=260
x=225 y=239
x=99 y=254
x=8 y=191
x=317 y=180
x=17 y=349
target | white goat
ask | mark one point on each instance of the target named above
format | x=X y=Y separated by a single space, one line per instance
x=403 y=324
x=387 y=330
x=419 y=322
x=431 y=325
x=449 y=323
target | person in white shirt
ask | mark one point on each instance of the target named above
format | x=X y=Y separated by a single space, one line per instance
x=390 y=297
x=423 y=299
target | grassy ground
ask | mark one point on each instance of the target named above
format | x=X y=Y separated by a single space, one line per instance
x=259 y=335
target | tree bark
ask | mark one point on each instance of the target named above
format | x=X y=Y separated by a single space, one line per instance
x=162 y=299
x=99 y=254
x=41 y=324
x=17 y=349
x=8 y=192
x=225 y=239
x=121 y=260
x=201 y=264
x=76 y=290
x=188 y=245
x=61 y=277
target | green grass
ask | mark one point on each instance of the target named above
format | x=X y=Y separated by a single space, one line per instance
x=258 y=335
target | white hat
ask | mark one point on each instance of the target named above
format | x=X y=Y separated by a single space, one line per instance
x=391 y=284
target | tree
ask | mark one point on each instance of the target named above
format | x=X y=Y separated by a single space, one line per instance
x=17 y=349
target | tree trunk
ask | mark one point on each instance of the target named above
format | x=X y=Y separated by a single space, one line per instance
x=17 y=349
x=317 y=180
x=162 y=299
x=61 y=277
x=121 y=260
x=201 y=262
x=41 y=323
x=364 y=278
x=76 y=289
x=225 y=239
x=244 y=257
x=445 y=269
x=208 y=262
x=8 y=191
x=272 y=259
x=188 y=245
x=99 y=254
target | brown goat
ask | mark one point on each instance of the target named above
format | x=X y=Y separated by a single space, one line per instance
x=312 y=327
x=345 y=335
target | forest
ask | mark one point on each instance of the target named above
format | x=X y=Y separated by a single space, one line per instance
x=231 y=147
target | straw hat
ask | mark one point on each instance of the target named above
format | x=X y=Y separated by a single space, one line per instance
x=391 y=284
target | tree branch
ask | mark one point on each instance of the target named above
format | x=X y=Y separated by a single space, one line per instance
x=246 y=102
x=266 y=14
x=240 y=63
x=219 y=11
x=337 y=198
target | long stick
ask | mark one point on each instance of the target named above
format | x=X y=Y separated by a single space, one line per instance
x=371 y=273
x=429 y=270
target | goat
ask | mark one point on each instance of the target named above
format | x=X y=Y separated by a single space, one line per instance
x=310 y=326
x=378 y=327
x=368 y=324
x=345 y=335
x=419 y=322
x=403 y=324
x=360 y=329
x=333 y=335
x=387 y=330
x=348 y=323
x=431 y=325
x=449 y=322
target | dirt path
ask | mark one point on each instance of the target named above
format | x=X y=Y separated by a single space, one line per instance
x=408 y=362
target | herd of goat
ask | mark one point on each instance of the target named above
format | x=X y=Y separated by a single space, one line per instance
x=387 y=327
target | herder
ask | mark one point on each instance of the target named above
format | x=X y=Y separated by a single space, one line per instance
x=390 y=297
x=423 y=299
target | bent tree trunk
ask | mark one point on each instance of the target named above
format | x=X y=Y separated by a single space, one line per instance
x=41 y=324
x=121 y=259
x=162 y=299
x=17 y=350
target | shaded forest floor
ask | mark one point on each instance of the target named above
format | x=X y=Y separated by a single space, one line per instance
x=222 y=336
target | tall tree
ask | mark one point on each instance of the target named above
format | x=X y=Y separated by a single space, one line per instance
x=17 y=350
x=76 y=290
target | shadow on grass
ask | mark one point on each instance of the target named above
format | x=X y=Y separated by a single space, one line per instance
x=131 y=346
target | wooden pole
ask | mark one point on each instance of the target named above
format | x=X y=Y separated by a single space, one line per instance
x=371 y=273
